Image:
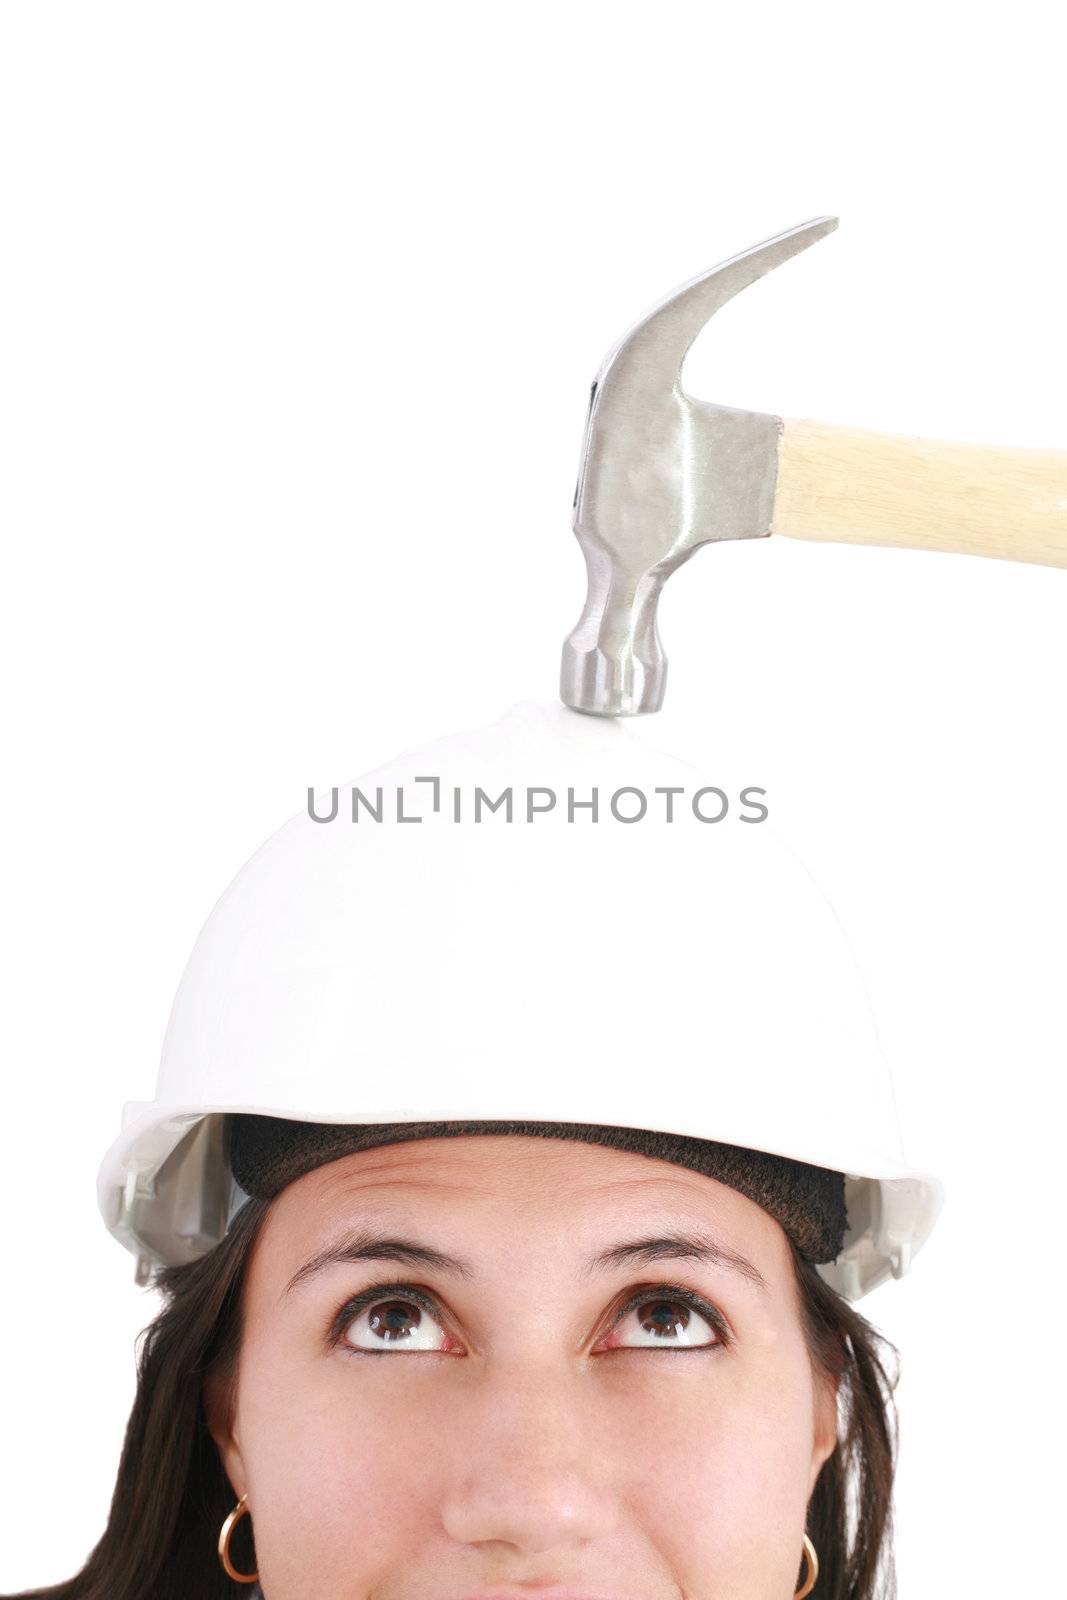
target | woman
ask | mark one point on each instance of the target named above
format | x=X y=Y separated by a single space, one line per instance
x=507 y=1184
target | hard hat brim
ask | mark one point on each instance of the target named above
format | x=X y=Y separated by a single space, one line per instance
x=165 y=1191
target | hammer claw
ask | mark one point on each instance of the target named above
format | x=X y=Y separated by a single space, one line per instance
x=665 y=333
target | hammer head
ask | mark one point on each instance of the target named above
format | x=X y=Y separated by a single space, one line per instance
x=661 y=474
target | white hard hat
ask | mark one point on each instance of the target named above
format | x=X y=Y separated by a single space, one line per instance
x=547 y=920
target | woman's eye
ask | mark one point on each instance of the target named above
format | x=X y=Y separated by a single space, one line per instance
x=661 y=1320
x=395 y=1324
x=398 y=1321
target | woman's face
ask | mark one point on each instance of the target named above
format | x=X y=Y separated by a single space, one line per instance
x=506 y=1368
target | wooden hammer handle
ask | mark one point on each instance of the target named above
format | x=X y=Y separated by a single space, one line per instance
x=849 y=486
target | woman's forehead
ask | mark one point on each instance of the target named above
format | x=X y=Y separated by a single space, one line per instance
x=479 y=1194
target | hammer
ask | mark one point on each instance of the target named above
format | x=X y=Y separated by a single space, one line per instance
x=663 y=473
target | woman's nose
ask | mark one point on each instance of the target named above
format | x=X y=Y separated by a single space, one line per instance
x=525 y=1470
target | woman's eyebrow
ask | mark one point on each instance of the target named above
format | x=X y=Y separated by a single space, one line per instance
x=366 y=1246
x=373 y=1247
x=675 y=1247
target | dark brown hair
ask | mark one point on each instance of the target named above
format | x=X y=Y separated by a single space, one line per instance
x=172 y=1494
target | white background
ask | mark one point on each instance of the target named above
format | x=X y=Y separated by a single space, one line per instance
x=299 y=310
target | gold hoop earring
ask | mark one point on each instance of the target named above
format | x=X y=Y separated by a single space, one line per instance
x=239 y=1510
x=812 y=1561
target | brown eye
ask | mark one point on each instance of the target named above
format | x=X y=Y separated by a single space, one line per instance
x=663 y=1321
x=395 y=1323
